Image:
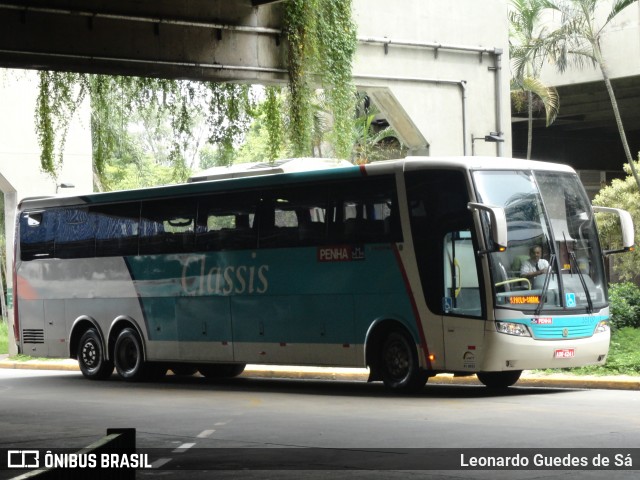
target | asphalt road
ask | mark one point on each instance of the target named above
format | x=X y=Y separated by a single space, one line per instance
x=180 y=422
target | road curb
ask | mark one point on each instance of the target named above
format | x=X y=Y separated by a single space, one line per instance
x=528 y=379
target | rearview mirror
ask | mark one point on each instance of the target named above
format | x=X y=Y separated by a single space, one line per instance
x=626 y=227
x=498 y=221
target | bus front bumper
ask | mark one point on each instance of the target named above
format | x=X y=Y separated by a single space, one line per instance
x=508 y=352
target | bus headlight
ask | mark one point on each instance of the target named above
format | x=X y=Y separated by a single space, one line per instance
x=602 y=327
x=516 y=329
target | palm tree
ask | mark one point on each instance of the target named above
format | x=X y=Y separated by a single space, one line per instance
x=369 y=144
x=579 y=39
x=527 y=49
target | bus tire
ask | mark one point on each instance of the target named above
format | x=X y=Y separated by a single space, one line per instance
x=400 y=369
x=91 y=358
x=499 y=379
x=221 y=370
x=128 y=358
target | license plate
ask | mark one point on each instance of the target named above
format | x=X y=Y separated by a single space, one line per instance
x=565 y=353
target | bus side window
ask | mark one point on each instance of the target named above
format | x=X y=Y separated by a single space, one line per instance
x=75 y=235
x=168 y=226
x=37 y=230
x=226 y=222
x=294 y=216
x=365 y=211
x=117 y=229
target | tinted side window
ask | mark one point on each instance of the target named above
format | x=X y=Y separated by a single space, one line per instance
x=293 y=216
x=117 y=229
x=226 y=221
x=37 y=234
x=75 y=235
x=365 y=210
x=168 y=226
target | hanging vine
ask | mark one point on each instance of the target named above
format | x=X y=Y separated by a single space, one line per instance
x=59 y=95
x=322 y=40
x=336 y=37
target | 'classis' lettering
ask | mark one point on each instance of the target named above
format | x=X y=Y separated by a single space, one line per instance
x=216 y=280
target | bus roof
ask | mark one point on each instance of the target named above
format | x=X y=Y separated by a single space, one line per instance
x=285 y=165
x=290 y=174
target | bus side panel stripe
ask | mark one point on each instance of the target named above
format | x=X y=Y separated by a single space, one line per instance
x=414 y=306
x=140 y=299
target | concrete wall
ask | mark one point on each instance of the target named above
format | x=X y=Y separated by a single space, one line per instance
x=427 y=83
x=20 y=173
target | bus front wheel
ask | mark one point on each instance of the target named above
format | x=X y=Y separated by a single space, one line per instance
x=499 y=379
x=129 y=359
x=91 y=358
x=400 y=369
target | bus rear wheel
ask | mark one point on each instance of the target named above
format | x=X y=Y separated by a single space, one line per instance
x=129 y=359
x=399 y=365
x=221 y=370
x=91 y=358
x=499 y=379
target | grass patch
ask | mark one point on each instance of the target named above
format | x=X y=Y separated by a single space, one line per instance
x=4 y=336
x=25 y=358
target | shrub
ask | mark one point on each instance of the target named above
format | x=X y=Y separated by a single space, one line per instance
x=624 y=303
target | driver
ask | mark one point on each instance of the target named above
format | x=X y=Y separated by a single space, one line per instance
x=535 y=265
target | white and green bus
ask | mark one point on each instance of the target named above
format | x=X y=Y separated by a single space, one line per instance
x=410 y=268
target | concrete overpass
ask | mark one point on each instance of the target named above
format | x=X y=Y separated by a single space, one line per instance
x=434 y=70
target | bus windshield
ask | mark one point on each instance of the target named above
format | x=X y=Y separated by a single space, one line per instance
x=553 y=259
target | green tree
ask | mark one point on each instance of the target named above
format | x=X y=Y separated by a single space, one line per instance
x=578 y=40
x=620 y=194
x=528 y=51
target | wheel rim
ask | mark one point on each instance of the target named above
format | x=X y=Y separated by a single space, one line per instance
x=90 y=355
x=128 y=355
x=397 y=359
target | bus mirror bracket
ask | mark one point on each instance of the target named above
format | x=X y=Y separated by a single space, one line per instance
x=626 y=226
x=498 y=224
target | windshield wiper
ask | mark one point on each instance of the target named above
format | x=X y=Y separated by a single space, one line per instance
x=545 y=287
x=574 y=260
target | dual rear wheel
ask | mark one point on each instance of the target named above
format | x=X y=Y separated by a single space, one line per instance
x=128 y=358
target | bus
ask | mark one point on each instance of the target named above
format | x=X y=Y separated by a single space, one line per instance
x=410 y=268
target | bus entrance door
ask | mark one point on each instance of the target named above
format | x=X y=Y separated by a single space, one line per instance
x=462 y=309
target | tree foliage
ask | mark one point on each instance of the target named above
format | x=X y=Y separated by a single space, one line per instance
x=624 y=300
x=620 y=194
